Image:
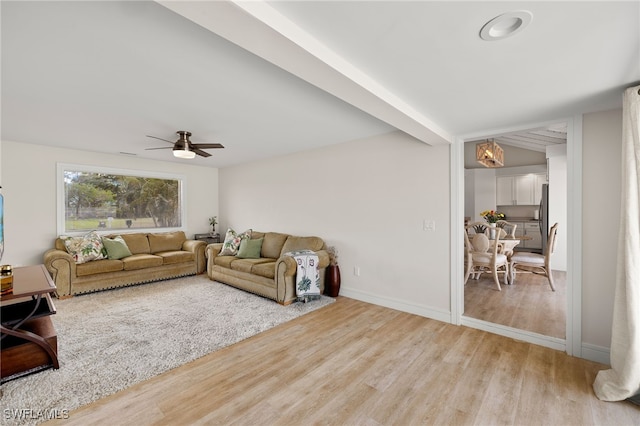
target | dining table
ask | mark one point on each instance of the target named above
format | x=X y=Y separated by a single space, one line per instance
x=506 y=246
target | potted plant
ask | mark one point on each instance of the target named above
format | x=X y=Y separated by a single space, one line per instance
x=213 y=221
x=332 y=280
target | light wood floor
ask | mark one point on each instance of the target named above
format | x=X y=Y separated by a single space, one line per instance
x=528 y=304
x=353 y=363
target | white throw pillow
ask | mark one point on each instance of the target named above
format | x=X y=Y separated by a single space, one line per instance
x=232 y=242
x=85 y=248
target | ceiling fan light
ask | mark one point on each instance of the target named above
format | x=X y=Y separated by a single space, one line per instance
x=184 y=153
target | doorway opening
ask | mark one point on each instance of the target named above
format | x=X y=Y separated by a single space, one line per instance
x=527 y=310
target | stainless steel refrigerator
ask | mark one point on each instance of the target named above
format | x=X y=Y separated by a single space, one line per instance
x=543 y=219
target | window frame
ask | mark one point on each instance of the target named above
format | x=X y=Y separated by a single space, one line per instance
x=61 y=205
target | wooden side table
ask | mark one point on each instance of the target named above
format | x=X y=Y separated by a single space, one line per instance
x=209 y=238
x=29 y=340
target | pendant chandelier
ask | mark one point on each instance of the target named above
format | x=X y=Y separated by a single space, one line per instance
x=489 y=154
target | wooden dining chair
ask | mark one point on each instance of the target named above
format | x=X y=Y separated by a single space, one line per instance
x=482 y=256
x=507 y=229
x=534 y=262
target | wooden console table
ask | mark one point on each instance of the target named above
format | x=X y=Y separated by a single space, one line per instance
x=29 y=340
x=209 y=238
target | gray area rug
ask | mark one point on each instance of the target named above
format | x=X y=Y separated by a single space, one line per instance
x=111 y=340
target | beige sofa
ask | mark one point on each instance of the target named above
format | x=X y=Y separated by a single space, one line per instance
x=273 y=275
x=154 y=256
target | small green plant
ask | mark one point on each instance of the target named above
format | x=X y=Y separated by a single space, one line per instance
x=213 y=221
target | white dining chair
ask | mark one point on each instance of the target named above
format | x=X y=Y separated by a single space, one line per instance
x=534 y=262
x=482 y=256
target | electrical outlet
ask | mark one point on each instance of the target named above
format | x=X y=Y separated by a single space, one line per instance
x=428 y=225
x=356 y=271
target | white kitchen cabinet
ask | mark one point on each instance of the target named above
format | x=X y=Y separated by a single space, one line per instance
x=523 y=189
x=504 y=190
x=515 y=190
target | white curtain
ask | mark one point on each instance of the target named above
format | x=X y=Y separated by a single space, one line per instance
x=622 y=381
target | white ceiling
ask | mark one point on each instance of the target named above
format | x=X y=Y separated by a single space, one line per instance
x=99 y=76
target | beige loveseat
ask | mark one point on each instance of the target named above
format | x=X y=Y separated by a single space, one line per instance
x=153 y=257
x=273 y=275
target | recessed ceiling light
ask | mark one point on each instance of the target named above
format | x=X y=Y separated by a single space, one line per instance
x=505 y=25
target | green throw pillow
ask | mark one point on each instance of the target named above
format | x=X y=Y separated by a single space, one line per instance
x=116 y=247
x=250 y=249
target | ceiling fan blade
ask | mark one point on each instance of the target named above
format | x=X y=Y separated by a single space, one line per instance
x=201 y=152
x=206 y=145
x=155 y=137
x=164 y=147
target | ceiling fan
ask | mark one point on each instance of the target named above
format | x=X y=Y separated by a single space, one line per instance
x=184 y=148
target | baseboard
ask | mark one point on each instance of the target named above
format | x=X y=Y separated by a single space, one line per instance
x=517 y=334
x=596 y=353
x=399 y=305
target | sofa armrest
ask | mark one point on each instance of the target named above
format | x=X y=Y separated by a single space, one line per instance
x=62 y=268
x=197 y=247
x=211 y=252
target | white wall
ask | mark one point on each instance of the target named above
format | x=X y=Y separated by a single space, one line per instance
x=481 y=194
x=557 y=156
x=28 y=176
x=368 y=198
x=602 y=153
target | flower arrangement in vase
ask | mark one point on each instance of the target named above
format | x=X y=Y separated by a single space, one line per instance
x=492 y=216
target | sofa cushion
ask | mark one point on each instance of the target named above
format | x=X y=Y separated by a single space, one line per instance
x=116 y=247
x=250 y=248
x=138 y=243
x=272 y=244
x=266 y=269
x=59 y=245
x=85 y=248
x=302 y=243
x=257 y=234
x=246 y=265
x=99 y=267
x=167 y=241
x=141 y=261
x=232 y=242
x=171 y=257
x=224 y=261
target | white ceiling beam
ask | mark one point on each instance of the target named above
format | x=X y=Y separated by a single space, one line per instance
x=257 y=27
